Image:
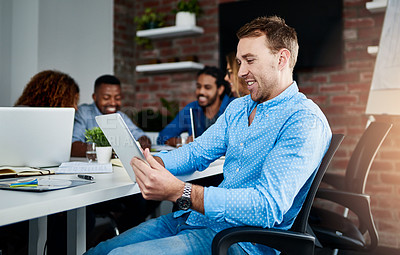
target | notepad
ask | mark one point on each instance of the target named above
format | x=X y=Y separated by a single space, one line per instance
x=83 y=167
x=10 y=171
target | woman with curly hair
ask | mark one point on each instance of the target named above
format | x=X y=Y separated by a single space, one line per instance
x=50 y=89
x=46 y=89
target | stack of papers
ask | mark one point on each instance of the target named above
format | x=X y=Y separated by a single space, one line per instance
x=83 y=167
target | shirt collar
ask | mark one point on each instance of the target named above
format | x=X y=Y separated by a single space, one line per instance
x=96 y=110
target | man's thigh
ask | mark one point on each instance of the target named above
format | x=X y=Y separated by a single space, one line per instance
x=190 y=241
x=161 y=227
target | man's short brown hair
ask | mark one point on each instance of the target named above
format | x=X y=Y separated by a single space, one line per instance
x=279 y=35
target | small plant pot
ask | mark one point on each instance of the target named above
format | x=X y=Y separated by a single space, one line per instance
x=185 y=19
x=103 y=154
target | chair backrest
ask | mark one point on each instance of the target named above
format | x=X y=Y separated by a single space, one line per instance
x=300 y=224
x=361 y=159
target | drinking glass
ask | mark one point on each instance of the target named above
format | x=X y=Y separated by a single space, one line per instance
x=91 y=152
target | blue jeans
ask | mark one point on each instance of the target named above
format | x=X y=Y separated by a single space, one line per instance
x=163 y=235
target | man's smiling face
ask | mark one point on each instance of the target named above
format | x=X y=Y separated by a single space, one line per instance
x=258 y=67
x=108 y=98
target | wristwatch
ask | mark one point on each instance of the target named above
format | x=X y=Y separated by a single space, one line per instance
x=184 y=202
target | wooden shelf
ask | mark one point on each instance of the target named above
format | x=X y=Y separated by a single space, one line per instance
x=376 y=6
x=170 y=67
x=165 y=32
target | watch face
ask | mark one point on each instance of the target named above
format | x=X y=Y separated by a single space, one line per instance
x=184 y=203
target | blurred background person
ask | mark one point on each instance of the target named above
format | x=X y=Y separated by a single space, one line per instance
x=48 y=88
x=213 y=96
x=238 y=85
x=107 y=97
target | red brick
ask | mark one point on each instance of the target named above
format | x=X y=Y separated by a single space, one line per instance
x=390 y=178
x=382 y=166
x=354 y=109
x=334 y=109
x=333 y=88
x=354 y=3
x=383 y=214
x=357 y=87
x=344 y=77
x=318 y=99
x=344 y=99
x=394 y=155
x=359 y=22
x=379 y=190
x=183 y=41
x=308 y=89
x=193 y=49
x=349 y=13
x=360 y=64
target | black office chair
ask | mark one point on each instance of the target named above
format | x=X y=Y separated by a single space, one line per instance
x=294 y=241
x=334 y=230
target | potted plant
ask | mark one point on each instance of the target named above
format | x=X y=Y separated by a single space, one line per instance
x=186 y=12
x=103 y=147
x=149 y=20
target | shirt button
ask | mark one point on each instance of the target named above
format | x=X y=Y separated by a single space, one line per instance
x=237 y=170
x=241 y=144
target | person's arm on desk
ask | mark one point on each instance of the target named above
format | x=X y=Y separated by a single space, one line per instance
x=157 y=183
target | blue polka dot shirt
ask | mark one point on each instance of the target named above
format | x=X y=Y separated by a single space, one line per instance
x=267 y=165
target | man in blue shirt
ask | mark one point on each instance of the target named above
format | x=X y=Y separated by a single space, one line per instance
x=273 y=141
x=107 y=99
x=212 y=92
x=131 y=210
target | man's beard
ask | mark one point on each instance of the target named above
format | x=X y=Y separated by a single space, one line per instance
x=211 y=100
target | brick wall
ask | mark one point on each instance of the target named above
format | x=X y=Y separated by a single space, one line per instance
x=341 y=92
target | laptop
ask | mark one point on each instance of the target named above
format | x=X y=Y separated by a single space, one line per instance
x=35 y=136
x=121 y=139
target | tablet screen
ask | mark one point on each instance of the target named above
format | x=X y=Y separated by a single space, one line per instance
x=121 y=139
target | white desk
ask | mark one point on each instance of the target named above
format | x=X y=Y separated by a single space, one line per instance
x=16 y=206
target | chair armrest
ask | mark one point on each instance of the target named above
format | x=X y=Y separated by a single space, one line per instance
x=358 y=203
x=285 y=241
x=335 y=180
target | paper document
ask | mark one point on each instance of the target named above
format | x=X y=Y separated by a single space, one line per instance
x=42 y=183
x=83 y=167
x=158 y=148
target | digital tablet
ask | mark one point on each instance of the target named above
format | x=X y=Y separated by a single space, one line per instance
x=121 y=140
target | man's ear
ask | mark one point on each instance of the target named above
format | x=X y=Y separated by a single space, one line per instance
x=94 y=97
x=284 y=57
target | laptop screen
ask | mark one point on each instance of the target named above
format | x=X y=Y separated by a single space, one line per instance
x=35 y=136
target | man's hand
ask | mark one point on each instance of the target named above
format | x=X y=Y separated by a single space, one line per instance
x=189 y=139
x=156 y=182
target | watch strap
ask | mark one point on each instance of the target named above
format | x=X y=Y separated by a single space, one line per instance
x=187 y=190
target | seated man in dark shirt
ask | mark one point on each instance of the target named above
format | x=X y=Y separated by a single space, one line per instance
x=212 y=93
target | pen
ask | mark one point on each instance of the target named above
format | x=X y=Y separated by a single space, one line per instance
x=86 y=177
